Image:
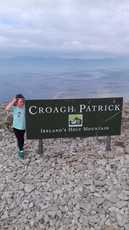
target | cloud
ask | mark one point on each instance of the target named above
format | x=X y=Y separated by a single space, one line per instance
x=80 y=25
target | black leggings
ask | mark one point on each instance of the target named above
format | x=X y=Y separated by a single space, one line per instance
x=20 y=137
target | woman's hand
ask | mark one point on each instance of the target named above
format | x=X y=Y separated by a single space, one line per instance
x=10 y=104
x=14 y=100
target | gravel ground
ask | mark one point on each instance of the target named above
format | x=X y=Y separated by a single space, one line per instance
x=76 y=184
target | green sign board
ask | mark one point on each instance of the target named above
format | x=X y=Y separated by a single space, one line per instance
x=73 y=117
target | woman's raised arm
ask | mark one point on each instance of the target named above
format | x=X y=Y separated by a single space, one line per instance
x=10 y=104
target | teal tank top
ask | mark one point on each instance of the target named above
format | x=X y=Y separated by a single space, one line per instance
x=18 y=117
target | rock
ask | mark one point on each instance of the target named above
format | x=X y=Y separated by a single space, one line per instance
x=112 y=197
x=124 y=195
x=110 y=227
x=31 y=205
x=121 y=204
x=28 y=188
x=126 y=149
x=5 y=215
x=122 y=219
x=99 y=183
x=126 y=227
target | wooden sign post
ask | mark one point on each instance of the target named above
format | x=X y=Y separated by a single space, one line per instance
x=40 y=148
x=108 y=143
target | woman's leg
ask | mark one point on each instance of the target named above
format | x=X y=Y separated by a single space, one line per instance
x=20 y=137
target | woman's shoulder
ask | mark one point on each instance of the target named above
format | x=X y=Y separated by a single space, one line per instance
x=15 y=108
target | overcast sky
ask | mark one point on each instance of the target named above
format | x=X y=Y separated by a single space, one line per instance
x=68 y=25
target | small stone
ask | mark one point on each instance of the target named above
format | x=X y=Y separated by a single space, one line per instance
x=5 y=215
x=121 y=204
x=126 y=227
x=110 y=227
x=28 y=188
x=124 y=195
x=31 y=205
x=122 y=219
x=112 y=196
x=127 y=149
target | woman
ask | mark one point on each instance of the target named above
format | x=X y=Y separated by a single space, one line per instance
x=17 y=105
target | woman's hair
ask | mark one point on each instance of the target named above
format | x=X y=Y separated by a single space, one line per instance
x=18 y=96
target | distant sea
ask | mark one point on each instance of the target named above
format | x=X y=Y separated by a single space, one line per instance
x=46 y=78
